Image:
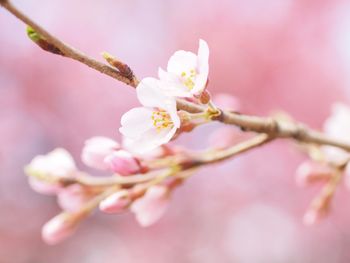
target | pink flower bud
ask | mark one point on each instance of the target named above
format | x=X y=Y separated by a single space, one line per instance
x=122 y=162
x=58 y=163
x=45 y=171
x=204 y=97
x=73 y=197
x=115 y=203
x=59 y=228
x=227 y=102
x=150 y=208
x=43 y=187
x=309 y=172
x=96 y=150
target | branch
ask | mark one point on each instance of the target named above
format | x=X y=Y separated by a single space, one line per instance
x=67 y=50
x=273 y=127
x=239 y=148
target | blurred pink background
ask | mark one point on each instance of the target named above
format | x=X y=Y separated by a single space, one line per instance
x=292 y=55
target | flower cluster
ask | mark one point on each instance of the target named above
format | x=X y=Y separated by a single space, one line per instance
x=157 y=121
x=146 y=129
x=144 y=169
x=57 y=174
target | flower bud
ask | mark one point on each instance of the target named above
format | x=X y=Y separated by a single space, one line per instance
x=96 y=150
x=122 y=162
x=45 y=171
x=42 y=42
x=73 y=197
x=309 y=172
x=115 y=203
x=204 y=97
x=122 y=67
x=59 y=228
x=44 y=188
x=149 y=208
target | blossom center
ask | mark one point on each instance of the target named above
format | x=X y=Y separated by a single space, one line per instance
x=161 y=120
x=188 y=78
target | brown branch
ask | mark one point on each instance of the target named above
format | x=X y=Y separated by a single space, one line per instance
x=273 y=127
x=218 y=156
x=67 y=50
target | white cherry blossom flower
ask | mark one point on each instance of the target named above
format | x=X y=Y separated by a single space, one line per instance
x=187 y=73
x=153 y=124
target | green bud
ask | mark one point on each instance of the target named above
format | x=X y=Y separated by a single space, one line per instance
x=42 y=42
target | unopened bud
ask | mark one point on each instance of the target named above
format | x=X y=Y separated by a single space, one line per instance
x=73 y=197
x=59 y=228
x=42 y=42
x=96 y=150
x=122 y=67
x=122 y=162
x=204 y=97
x=115 y=203
x=46 y=172
x=149 y=208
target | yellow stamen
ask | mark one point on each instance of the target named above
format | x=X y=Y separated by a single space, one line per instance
x=161 y=120
x=189 y=81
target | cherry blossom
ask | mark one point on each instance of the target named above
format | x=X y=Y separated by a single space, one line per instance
x=150 y=208
x=58 y=228
x=153 y=124
x=115 y=203
x=45 y=171
x=73 y=197
x=123 y=163
x=187 y=73
x=96 y=150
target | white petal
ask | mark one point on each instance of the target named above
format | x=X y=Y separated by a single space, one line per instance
x=151 y=140
x=136 y=121
x=172 y=85
x=149 y=93
x=203 y=56
x=182 y=61
x=203 y=67
x=200 y=83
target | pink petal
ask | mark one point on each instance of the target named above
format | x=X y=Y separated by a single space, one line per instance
x=72 y=198
x=42 y=187
x=58 y=163
x=115 y=203
x=150 y=208
x=95 y=151
x=58 y=228
x=123 y=163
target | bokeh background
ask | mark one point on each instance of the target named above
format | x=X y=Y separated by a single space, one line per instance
x=290 y=55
